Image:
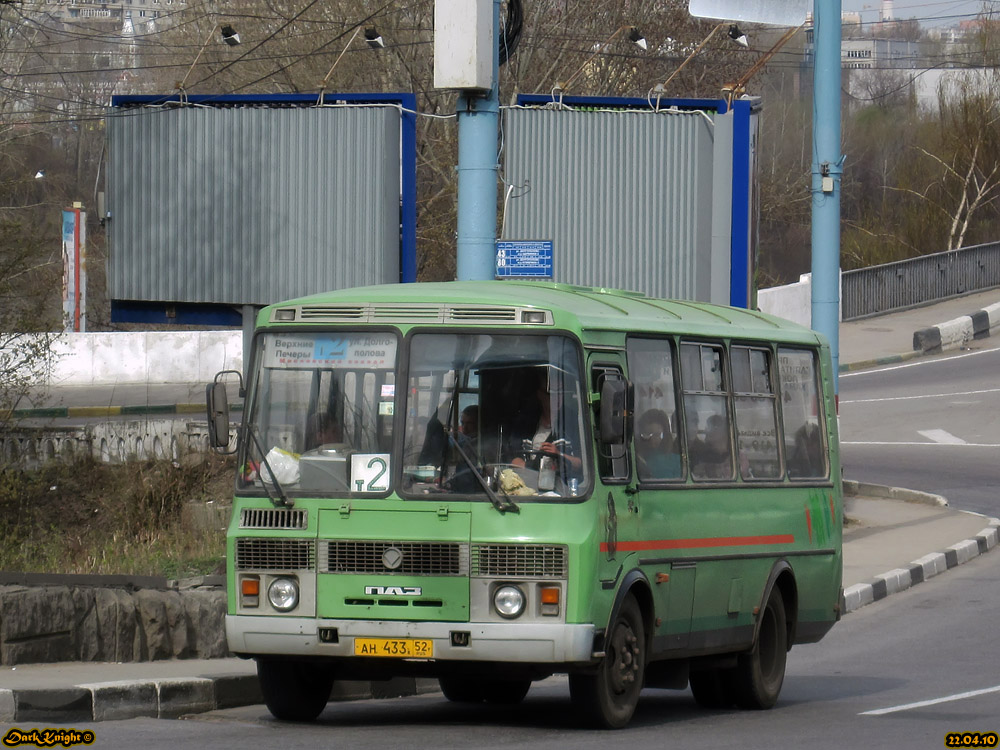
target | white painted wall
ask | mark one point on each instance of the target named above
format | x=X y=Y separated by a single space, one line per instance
x=146 y=357
x=196 y=356
x=791 y=301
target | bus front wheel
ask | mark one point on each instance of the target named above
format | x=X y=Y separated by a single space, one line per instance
x=294 y=691
x=609 y=697
x=760 y=672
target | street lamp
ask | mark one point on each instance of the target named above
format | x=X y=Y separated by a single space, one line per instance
x=734 y=33
x=633 y=36
x=229 y=36
x=372 y=38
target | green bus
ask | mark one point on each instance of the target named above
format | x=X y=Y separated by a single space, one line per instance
x=489 y=483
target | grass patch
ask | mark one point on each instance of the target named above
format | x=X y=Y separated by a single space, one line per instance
x=127 y=519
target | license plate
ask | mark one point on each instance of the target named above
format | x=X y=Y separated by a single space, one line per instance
x=399 y=648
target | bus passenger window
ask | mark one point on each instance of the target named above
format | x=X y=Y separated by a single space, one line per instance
x=756 y=413
x=802 y=419
x=657 y=448
x=706 y=411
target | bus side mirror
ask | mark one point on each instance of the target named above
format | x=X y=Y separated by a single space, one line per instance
x=217 y=401
x=218 y=414
x=615 y=403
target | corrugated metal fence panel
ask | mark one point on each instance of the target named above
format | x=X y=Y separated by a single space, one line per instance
x=251 y=205
x=625 y=196
x=917 y=281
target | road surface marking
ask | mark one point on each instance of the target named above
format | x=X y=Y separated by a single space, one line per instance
x=927 y=395
x=916 y=364
x=932 y=702
x=941 y=436
x=936 y=445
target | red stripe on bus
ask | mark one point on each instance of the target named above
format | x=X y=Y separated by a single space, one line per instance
x=717 y=541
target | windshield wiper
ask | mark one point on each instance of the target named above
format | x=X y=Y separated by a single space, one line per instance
x=282 y=499
x=504 y=504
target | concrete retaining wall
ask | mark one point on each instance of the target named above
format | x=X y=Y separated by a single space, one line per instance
x=77 y=622
x=114 y=441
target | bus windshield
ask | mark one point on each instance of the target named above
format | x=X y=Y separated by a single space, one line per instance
x=501 y=409
x=321 y=402
x=482 y=414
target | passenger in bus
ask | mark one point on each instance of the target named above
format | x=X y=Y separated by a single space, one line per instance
x=807 y=455
x=711 y=458
x=546 y=442
x=468 y=425
x=656 y=447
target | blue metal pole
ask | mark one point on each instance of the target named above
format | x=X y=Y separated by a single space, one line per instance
x=827 y=168
x=478 y=121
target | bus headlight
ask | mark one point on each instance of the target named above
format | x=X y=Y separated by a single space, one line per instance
x=283 y=593
x=509 y=601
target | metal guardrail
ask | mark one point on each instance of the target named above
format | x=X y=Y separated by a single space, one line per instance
x=918 y=281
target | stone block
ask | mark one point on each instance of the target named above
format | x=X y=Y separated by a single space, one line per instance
x=123 y=700
x=151 y=612
x=236 y=690
x=206 y=621
x=53 y=704
x=185 y=696
x=86 y=633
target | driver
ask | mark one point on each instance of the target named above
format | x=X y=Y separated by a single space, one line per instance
x=545 y=441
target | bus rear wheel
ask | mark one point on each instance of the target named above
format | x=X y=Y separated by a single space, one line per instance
x=760 y=673
x=294 y=691
x=609 y=697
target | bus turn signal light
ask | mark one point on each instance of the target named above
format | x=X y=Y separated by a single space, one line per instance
x=549 y=600
x=250 y=592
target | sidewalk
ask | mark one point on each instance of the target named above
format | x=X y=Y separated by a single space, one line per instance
x=884 y=339
x=891 y=542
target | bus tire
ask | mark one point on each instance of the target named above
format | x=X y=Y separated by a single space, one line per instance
x=506 y=692
x=292 y=690
x=462 y=689
x=712 y=688
x=608 y=698
x=760 y=672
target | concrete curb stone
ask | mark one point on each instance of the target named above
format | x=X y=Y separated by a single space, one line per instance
x=923 y=568
x=957 y=331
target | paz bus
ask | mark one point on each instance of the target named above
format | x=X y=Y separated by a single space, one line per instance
x=488 y=483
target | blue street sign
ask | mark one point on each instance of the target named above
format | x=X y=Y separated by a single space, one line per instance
x=524 y=259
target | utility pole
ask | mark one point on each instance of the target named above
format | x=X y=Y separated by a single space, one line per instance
x=471 y=27
x=827 y=169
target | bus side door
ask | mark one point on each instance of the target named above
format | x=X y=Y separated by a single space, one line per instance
x=618 y=509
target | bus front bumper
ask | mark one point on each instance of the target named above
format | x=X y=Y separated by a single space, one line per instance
x=538 y=643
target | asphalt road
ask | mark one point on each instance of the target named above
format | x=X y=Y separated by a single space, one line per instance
x=897 y=674
x=929 y=424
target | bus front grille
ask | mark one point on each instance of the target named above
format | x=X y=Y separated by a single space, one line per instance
x=399 y=558
x=275 y=554
x=519 y=561
x=273 y=518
